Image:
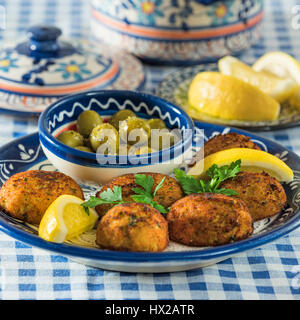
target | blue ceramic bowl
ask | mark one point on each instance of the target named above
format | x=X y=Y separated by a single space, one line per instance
x=91 y=167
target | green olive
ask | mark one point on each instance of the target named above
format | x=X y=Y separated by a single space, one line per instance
x=87 y=143
x=135 y=131
x=121 y=115
x=71 y=138
x=162 y=140
x=87 y=121
x=106 y=134
x=84 y=148
x=156 y=123
x=132 y=150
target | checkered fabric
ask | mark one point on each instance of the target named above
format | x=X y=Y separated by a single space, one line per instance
x=271 y=272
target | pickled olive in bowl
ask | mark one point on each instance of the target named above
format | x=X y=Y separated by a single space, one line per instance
x=84 y=148
x=71 y=138
x=123 y=129
x=119 y=116
x=135 y=130
x=132 y=150
x=87 y=121
x=105 y=134
x=87 y=143
x=162 y=139
x=156 y=123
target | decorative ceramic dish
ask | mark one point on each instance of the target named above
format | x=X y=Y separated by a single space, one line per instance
x=86 y=166
x=36 y=72
x=178 y=31
x=174 y=88
x=26 y=153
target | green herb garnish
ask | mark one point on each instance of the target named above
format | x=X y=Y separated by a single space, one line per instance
x=109 y=196
x=216 y=174
x=146 y=195
x=142 y=195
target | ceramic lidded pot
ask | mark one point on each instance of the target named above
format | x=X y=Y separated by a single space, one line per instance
x=178 y=31
x=38 y=71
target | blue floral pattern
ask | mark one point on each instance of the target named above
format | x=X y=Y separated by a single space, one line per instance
x=8 y=62
x=148 y=10
x=220 y=12
x=73 y=69
x=180 y=13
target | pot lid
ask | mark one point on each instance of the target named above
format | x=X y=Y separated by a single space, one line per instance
x=44 y=68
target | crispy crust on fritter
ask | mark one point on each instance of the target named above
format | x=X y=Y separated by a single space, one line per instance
x=133 y=227
x=263 y=194
x=27 y=195
x=223 y=142
x=209 y=219
x=166 y=195
x=228 y=141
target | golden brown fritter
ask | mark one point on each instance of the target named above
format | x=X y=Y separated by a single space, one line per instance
x=263 y=194
x=223 y=142
x=133 y=227
x=166 y=195
x=27 y=195
x=209 y=219
x=228 y=141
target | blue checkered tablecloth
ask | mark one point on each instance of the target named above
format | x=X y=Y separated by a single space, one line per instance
x=271 y=272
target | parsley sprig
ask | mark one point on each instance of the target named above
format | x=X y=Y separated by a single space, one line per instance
x=145 y=195
x=109 y=196
x=142 y=195
x=216 y=174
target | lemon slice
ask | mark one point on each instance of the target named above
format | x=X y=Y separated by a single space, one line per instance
x=278 y=88
x=252 y=160
x=282 y=65
x=227 y=97
x=65 y=218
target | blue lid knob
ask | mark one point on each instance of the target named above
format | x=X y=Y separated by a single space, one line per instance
x=44 y=33
x=43 y=43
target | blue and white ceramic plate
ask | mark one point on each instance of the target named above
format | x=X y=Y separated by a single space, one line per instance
x=26 y=153
x=174 y=88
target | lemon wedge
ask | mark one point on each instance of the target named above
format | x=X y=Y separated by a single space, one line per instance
x=252 y=160
x=227 y=97
x=282 y=65
x=278 y=88
x=65 y=218
x=294 y=100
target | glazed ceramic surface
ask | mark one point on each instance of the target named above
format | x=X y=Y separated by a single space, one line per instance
x=86 y=166
x=26 y=153
x=174 y=88
x=178 y=31
x=37 y=72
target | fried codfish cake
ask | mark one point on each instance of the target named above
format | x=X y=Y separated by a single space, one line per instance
x=228 y=141
x=223 y=142
x=209 y=219
x=133 y=227
x=166 y=195
x=263 y=194
x=27 y=195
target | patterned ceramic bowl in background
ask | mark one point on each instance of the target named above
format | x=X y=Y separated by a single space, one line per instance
x=177 y=31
